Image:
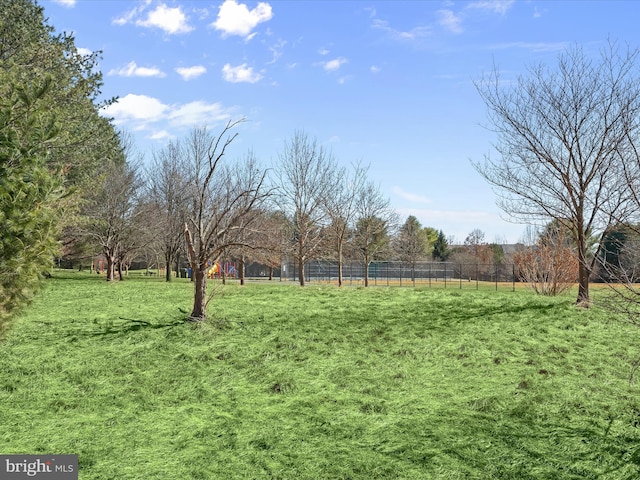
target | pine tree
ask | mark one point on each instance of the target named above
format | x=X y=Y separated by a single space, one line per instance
x=51 y=139
x=441 y=247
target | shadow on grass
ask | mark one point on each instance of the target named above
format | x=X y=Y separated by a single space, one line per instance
x=76 y=276
x=468 y=313
x=513 y=309
x=539 y=450
x=133 y=325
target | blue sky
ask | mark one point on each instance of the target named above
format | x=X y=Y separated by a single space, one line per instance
x=390 y=84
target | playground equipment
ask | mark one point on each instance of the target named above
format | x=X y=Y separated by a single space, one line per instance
x=217 y=270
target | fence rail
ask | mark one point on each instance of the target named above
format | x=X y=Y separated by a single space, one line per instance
x=432 y=274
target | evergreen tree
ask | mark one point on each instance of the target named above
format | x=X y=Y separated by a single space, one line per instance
x=29 y=198
x=441 y=247
x=51 y=138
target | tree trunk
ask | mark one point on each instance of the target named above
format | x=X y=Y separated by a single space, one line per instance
x=111 y=260
x=167 y=273
x=178 y=264
x=301 y=270
x=270 y=273
x=583 y=286
x=200 y=297
x=120 y=275
x=241 y=269
x=300 y=257
x=583 y=270
x=366 y=271
x=340 y=265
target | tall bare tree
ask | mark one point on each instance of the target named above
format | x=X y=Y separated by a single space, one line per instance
x=224 y=198
x=305 y=176
x=411 y=243
x=563 y=135
x=375 y=222
x=341 y=205
x=168 y=192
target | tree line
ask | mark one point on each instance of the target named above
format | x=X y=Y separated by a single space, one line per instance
x=71 y=184
x=195 y=203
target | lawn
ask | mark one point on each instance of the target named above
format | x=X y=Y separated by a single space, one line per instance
x=320 y=383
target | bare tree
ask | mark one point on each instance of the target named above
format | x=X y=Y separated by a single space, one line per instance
x=305 y=176
x=273 y=243
x=475 y=241
x=563 y=135
x=375 y=221
x=168 y=191
x=111 y=215
x=224 y=199
x=341 y=205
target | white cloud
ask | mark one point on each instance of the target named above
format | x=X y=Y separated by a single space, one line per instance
x=413 y=34
x=197 y=113
x=412 y=197
x=450 y=21
x=236 y=19
x=131 y=69
x=323 y=51
x=276 y=50
x=241 y=73
x=143 y=113
x=84 y=51
x=202 y=13
x=171 y=20
x=374 y=69
x=136 y=108
x=187 y=73
x=496 y=6
x=161 y=135
x=131 y=14
x=335 y=64
x=66 y=3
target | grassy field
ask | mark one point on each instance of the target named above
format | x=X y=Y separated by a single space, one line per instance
x=320 y=383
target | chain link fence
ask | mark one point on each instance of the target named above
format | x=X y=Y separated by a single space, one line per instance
x=390 y=273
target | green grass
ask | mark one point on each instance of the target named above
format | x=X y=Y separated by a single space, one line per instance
x=320 y=383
